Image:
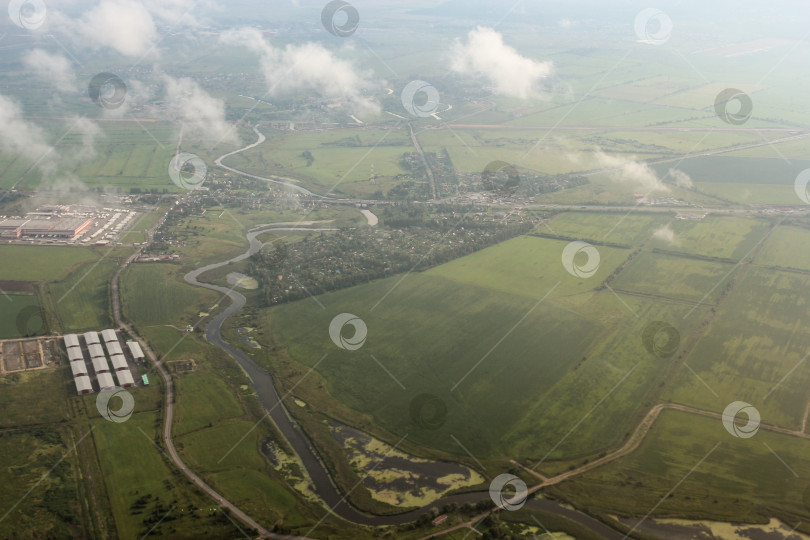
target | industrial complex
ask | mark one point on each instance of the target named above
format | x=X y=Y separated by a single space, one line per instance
x=67 y=224
x=93 y=351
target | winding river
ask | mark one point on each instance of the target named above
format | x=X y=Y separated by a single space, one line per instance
x=271 y=401
x=266 y=392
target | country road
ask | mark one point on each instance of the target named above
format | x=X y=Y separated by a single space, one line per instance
x=169 y=402
x=329 y=493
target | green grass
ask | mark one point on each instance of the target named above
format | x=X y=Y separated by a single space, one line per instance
x=154 y=293
x=467 y=307
x=742 y=480
x=754 y=349
x=781 y=249
x=674 y=277
x=133 y=467
x=617 y=227
x=42 y=263
x=527 y=266
x=203 y=399
x=715 y=236
x=38 y=397
x=344 y=168
x=39 y=485
x=82 y=301
x=13 y=306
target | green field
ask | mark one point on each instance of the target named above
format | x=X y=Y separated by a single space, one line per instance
x=153 y=293
x=726 y=237
x=781 y=249
x=760 y=481
x=43 y=263
x=342 y=159
x=618 y=228
x=47 y=390
x=673 y=277
x=499 y=293
x=39 y=497
x=17 y=309
x=754 y=349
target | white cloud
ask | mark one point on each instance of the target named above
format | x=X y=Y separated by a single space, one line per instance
x=54 y=67
x=90 y=131
x=307 y=67
x=201 y=114
x=666 y=234
x=680 y=178
x=124 y=25
x=486 y=55
x=628 y=171
x=19 y=137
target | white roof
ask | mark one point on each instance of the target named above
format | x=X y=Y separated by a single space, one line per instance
x=83 y=383
x=71 y=340
x=109 y=335
x=118 y=361
x=113 y=347
x=124 y=378
x=100 y=364
x=91 y=337
x=95 y=351
x=75 y=354
x=105 y=381
x=135 y=349
x=78 y=368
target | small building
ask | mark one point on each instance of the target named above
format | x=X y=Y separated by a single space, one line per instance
x=145 y=379
x=95 y=351
x=125 y=379
x=113 y=347
x=105 y=381
x=109 y=335
x=71 y=340
x=78 y=368
x=135 y=349
x=91 y=338
x=83 y=385
x=100 y=365
x=118 y=362
x=75 y=354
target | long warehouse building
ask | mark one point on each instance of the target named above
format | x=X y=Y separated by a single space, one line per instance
x=83 y=385
x=125 y=379
x=68 y=227
x=75 y=354
x=71 y=340
x=105 y=381
x=135 y=349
